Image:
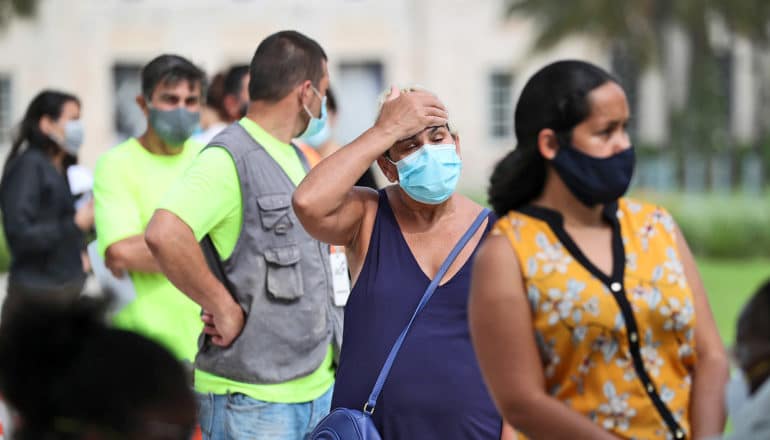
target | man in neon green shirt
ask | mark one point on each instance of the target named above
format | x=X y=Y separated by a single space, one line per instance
x=281 y=389
x=129 y=182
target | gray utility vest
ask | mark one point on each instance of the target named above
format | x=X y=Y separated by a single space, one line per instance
x=277 y=273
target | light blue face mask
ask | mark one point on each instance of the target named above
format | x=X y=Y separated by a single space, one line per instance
x=73 y=137
x=315 y=125
x=430 y=174
x=319 y=139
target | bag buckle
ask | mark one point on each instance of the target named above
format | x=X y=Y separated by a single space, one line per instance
x=368 y=409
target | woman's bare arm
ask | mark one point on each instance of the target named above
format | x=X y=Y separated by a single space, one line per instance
x=503 y=336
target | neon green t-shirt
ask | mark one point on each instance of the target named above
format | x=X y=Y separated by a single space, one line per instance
x=208 y=199
x=129 y=182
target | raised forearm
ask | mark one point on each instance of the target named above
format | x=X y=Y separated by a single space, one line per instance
x=316 y=198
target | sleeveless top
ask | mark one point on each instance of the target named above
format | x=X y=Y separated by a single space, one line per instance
x=435 y=389
x=619 y=348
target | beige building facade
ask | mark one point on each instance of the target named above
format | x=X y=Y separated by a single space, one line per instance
x=466 y=51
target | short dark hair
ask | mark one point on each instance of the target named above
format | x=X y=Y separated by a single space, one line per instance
x=753 y=322
x=170 y=69
x=752 y=337
x=233 y=79
x=215 y=91
x=281 y=62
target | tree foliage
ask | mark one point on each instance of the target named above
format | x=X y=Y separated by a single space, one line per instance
x=11 y=9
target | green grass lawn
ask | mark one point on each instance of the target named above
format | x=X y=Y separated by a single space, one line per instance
x=729 y=284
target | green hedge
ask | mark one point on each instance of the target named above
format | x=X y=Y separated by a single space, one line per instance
x=715 y=225
x=720 y=225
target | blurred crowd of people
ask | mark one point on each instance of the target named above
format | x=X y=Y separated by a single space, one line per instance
x=256 y=277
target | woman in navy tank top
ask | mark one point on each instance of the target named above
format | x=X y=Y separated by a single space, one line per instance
x=396 y=240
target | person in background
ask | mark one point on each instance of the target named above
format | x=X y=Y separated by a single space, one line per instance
x=265 y=367
x=210 y=118
x=129 y=182
x=396 y=240
x=227 y=101
x=45 y=232
x=586 y=307
x=323 y=144
x=748 y=392
x=66 y=376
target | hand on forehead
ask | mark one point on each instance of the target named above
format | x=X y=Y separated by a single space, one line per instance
x=418 y=92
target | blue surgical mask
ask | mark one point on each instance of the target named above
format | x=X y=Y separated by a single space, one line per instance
x=594 y=180
x=315 y=125
x=72 y=139
x=319 y=139
x=430 y=174
x=174 y=126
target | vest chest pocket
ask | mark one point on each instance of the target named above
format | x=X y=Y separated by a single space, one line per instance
x=284 y=276
x=274 y=212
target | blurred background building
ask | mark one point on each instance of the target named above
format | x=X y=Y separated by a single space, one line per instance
x=468 y=52
x=474 y=54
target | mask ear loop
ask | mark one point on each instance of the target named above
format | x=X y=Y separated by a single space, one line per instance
x=389 y=159
x=317 y=92
x=320 y=98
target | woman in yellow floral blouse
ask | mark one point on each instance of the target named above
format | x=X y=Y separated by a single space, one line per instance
x=587 y=312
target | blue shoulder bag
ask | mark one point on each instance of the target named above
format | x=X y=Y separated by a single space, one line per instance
x=353 y=424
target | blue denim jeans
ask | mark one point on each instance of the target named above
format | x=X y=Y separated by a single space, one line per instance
x=239 y=417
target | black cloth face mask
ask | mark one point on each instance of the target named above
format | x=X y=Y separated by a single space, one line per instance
x=594 y=180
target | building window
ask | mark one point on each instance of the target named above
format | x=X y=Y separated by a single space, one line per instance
x=357 y=88
x=5 y=110
x=127 y=83
x=501 y=105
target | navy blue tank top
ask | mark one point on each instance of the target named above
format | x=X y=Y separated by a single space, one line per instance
x=435 y=389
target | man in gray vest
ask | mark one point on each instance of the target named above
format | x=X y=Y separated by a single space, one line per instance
x=265 y=365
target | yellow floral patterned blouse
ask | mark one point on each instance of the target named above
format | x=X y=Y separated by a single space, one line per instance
x=618 y=348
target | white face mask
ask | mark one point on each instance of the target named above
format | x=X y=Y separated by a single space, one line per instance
x=73 y=137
